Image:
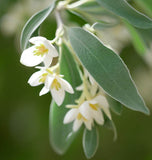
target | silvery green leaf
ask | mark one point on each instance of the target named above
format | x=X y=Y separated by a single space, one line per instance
x=33 y=24
x=90 y=142
x=107 y=68
x=123 y=9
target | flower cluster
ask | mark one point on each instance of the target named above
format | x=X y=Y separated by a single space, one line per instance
x=43 y=51
x=87 y=112
x=90 y=106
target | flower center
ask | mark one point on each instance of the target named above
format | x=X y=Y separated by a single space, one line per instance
x=40 y=50
x=80 y=116
x=43 y=77
x=94 y=106
x=55 y=84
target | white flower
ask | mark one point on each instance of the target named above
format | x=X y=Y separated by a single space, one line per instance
x=78 y=118
x=87 y=112
x=57 y=85
x=38 y=77
x=92 y=109
x=41 y=51
x=52 y=82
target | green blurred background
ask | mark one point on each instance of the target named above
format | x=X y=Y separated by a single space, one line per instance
x=24 y=116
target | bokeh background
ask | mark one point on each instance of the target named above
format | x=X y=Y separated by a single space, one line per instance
x=24 y=116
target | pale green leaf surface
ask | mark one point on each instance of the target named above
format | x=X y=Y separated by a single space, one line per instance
x=61 y=135
x=90 y=142
x=100 y=25
x=109 y=124
x=126 y=11
x=91 y=7
x=107 y=68
x=33 y=24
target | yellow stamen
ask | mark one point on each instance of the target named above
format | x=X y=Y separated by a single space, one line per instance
x=94 y=106
x=49 y=70
x=55 y=84
x=80 y=116
x=43 y=77
x=40 y=50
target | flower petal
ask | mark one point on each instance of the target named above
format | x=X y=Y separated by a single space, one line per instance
x=85 y=110
x=65 y=85
x=93 y=89
x=42 y=40
x=98 y=116
x=92 y=80
x=70 y=115
x=80 y=88
x=47 y=60
x=107 y=112
x=101 y=100
x=37 y=40
x=48 y=81
x=103 y=103
x=43 y=91
x=29 y=59
x=88 y=124
x=52 y=49
x=77 y=124
x=58 y=95
x=34 y=79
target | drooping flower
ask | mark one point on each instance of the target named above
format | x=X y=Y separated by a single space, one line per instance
x=38 y=77
x=93 y=109
x=41 y=51
x=78 y=118
x=57 y=85
x=52 y=82
x=88 y=112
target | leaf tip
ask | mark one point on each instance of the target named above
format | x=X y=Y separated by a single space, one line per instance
x=147 y=111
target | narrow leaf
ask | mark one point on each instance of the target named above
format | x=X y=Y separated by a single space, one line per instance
x=90 y=142
x=107 y=68
x=126 y=11
x=109 y=124
x=33 y=24
x=61 y=135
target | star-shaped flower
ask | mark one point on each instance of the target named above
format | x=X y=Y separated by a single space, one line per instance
x=87 y=113
x=41 y=51
x=78 y=118
x=52 y=82
x=93 y=109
